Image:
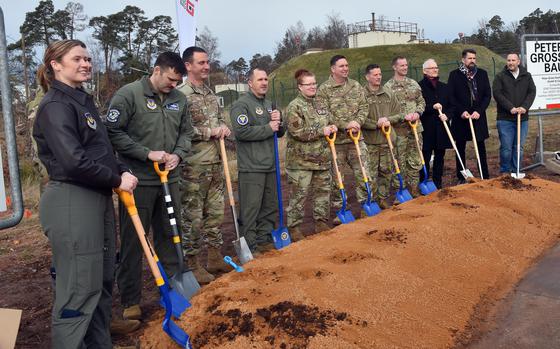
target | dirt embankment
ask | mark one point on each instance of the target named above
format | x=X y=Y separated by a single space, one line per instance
x=424 y=274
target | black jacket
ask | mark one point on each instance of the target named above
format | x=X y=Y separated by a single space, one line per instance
x=434 y=135
x=510 y=92
x=460 y=97
x=72 y=141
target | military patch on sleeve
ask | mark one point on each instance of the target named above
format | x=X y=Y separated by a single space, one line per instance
x=242 y=120
x=113 y=115
x=172 y=106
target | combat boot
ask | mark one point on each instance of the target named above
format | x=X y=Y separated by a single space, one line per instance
x=202 y=276
x=383 y=204
x=296 y=234
x=336 y=221
x=120 y=327
x=321 y=226
x=132 y=312
x=414 y=191
x=216 y=264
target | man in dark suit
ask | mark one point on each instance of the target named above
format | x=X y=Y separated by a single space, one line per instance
x=470 y=94
x=436 y=95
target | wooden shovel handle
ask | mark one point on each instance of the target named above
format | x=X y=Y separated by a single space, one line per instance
x=226 y=172
x=331 y=140
x=128 y=201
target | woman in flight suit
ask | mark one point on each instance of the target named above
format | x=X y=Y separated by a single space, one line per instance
x=76 y=208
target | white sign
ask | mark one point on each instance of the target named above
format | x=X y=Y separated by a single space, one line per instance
x=543 y=62
x=186 y=21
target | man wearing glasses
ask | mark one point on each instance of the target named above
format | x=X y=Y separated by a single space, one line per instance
x=435 y=138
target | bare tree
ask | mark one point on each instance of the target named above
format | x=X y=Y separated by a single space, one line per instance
x=292 y=45
x=336 y=35
x=76 y=17
x=209 y=43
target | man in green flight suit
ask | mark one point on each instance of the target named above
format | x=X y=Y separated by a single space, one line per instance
x=348 y=107
x=148 y=121
x=409 y=94
x=383 y=110
x=203 y=188
x=254 y=122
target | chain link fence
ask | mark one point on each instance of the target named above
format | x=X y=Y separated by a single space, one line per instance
x=283 y=92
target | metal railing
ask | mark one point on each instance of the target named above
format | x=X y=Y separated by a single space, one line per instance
x=10 y=133
x=382 y=25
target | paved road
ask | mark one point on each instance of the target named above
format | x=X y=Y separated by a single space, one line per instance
x=531 y=319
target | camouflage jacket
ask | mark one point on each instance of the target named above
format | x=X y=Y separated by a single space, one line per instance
x=346 y=103
x=206 y=114
x=306 y=147
x=409 y=95
x=382 y=103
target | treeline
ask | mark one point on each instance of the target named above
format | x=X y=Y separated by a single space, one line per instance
x=502 y=38
x=124 y=44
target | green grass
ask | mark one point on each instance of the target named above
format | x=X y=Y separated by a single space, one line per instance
x=283 y=88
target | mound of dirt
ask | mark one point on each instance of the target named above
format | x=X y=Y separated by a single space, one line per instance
x=424 y=276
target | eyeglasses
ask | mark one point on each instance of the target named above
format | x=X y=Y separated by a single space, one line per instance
x=432 y=68
x=309 y=84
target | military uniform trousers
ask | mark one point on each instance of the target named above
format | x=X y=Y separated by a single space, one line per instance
x=302 y=181
x=203 y=207
x=346 y=154
x=153 y=213
x=80 y=225
x=380 y=170
x=258 y=207
x=409 y=160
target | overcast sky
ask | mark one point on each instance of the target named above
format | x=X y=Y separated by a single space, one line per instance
x=246 y=27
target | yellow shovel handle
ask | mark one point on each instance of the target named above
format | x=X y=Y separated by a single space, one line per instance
x=128 y=201
x=355 y=138
x=413 y=124
x=161 y=173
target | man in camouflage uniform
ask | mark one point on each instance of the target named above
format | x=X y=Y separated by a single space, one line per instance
x=308 y=160
x=412 y=103
x=347 y=104
x=203 y=187
x=383 y=110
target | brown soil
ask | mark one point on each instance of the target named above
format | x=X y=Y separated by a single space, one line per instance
x=25 y=282
x=424 y=276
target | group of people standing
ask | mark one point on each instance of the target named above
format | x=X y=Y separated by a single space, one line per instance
x=160 y=119
x=340 y=105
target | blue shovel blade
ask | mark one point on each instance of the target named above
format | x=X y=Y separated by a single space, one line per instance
x=371 y=208
x=177 y=334
x=345 y=216
x=178 y=303
x=427 y=187
x=281 y=237
x=403 y=196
